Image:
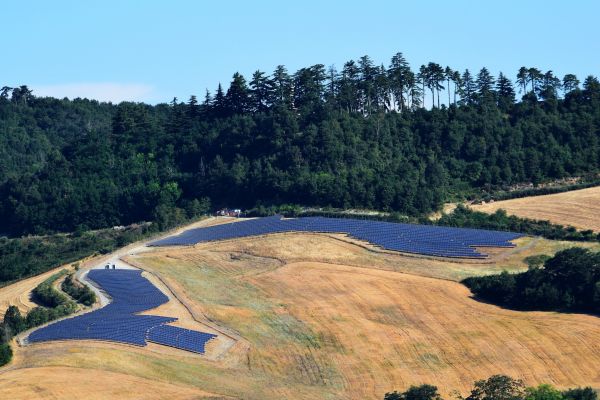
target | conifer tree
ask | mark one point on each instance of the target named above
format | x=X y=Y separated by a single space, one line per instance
x=570 y=83
x=236 y=99
x=506 y=92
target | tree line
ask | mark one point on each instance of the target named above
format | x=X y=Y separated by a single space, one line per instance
x=568 y=281
x=363 y=87
x=28 y=256
x=498 y=387
x=360 y=137
x=464 y=217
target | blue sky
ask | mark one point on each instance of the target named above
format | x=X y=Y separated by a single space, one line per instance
x=154 y=50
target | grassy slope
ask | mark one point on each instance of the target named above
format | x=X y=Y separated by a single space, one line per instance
x=304 y=325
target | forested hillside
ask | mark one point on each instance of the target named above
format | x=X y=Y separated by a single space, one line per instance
x=359 y=137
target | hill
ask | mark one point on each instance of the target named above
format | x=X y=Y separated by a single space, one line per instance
x=324 y=316
x=360 y=138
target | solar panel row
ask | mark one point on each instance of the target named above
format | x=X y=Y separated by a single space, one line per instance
x=180 y=338
x=409 y=238
x=131 y=293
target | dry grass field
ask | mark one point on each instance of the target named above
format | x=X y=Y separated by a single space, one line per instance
x=57 y=383
x=578 y=208
x=320 y=317
x=382 y=330
x=19 y=293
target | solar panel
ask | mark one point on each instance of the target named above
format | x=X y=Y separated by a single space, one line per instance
x=180 y=338
x=131 y=293
x=409 y=238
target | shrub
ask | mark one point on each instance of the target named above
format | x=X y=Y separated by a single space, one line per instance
x=46 y=295
x=5 y=354
x=14 y=321
x=80 y=293
x=37 y=316
x=543 y=392
x=421 y=392
x=497 y=387
x=586 y=393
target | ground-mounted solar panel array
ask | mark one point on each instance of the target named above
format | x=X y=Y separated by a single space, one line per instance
x=427 y=240
x=131 y=293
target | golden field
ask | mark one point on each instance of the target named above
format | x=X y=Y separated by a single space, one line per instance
x=323 y=317
x=577 y=208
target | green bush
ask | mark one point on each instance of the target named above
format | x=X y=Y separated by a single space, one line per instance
x=421 y=392
x=14 y=321
x=80 y=293
x=37 y=316
x=586 y=393
x=46 y=295
x=5 y=354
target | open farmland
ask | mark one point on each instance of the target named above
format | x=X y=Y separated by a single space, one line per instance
x=57 y=383
x=577 y=208
x=363 y=322
x=324 y=316
x=385 y=330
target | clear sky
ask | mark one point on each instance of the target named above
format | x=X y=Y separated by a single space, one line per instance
x=154 y=50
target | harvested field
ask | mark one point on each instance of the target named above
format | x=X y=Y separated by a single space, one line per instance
x=385 y=330
x=316 y=316
x=19 y=293
x=75 y=383
x=364 y=328
x=578 y=208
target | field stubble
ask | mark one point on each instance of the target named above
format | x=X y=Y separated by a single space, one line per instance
x=320 y=317
x=578 y=208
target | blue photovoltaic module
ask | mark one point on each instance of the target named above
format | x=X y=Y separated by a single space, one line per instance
x=131 y=293
x=439 y=241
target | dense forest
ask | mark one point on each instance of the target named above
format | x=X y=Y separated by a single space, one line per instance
x=367 y=136
x=568 y=281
